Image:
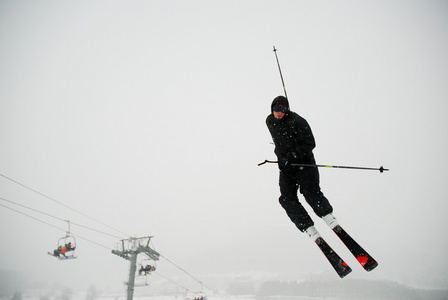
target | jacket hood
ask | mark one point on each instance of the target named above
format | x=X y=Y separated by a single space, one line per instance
x=282 y=101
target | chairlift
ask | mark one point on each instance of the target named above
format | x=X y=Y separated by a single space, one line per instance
x=66 y=247
x=199 y=296
x=141 y=281
x=189 y=295
x=147 y=266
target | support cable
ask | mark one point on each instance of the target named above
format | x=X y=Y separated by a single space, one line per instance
x=76 y=235
x=180 y=268
x=62 y=204
x=196 y=279
x=66 y=206
x=44 y=213
x=172 y=281
x=108 y=248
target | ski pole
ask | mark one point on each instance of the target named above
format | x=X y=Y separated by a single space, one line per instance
x=281 y=76
x=381 y=169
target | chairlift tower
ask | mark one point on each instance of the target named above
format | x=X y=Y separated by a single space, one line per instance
x=129 y=249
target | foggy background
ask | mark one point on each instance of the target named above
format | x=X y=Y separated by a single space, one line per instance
x=149 y=116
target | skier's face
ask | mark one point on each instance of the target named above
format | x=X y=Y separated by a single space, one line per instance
x=278 y=115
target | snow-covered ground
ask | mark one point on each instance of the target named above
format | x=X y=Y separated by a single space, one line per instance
x=81 y=296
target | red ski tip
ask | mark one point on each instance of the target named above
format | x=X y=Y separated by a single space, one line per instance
x=363 y=260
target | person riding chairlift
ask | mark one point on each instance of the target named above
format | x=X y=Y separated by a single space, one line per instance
x=146 y=270
x=60 y=250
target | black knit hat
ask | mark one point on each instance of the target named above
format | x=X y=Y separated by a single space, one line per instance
x=280 y=107
x=280 y=103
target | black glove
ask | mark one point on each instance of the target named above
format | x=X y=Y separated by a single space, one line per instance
x=283 y=163
x=293 y=157
x=290 y=158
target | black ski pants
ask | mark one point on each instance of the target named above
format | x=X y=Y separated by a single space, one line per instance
x=307 y=180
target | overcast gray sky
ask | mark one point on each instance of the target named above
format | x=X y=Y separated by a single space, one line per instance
x=149 y=116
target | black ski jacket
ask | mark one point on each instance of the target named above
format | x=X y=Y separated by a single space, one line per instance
x=292 y=136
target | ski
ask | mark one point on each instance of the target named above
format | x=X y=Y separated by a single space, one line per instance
x=364 y=258
x=338 y=264
x=62 y=257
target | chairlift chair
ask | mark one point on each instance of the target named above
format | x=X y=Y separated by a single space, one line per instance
x=199 y=296
x=141 y=281
x=66 y=248
x=189 y=295
x=147 y=266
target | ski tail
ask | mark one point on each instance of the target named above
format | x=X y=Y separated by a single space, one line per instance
x=364 y=258
x=336 y=262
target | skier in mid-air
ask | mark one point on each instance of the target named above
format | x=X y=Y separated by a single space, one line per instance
x=294 y=144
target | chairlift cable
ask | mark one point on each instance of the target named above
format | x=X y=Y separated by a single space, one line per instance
x=35 y=210
x=105 y=233
x=90 y=241
x=83 y=238
x=78 y=236
x=41 y=212
x=188 y=290
x=179 y=268
x=17 y=211
x=196 y=279
x=172 y=281
x=62 y=204
x=44 y=213
x=66 y=206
